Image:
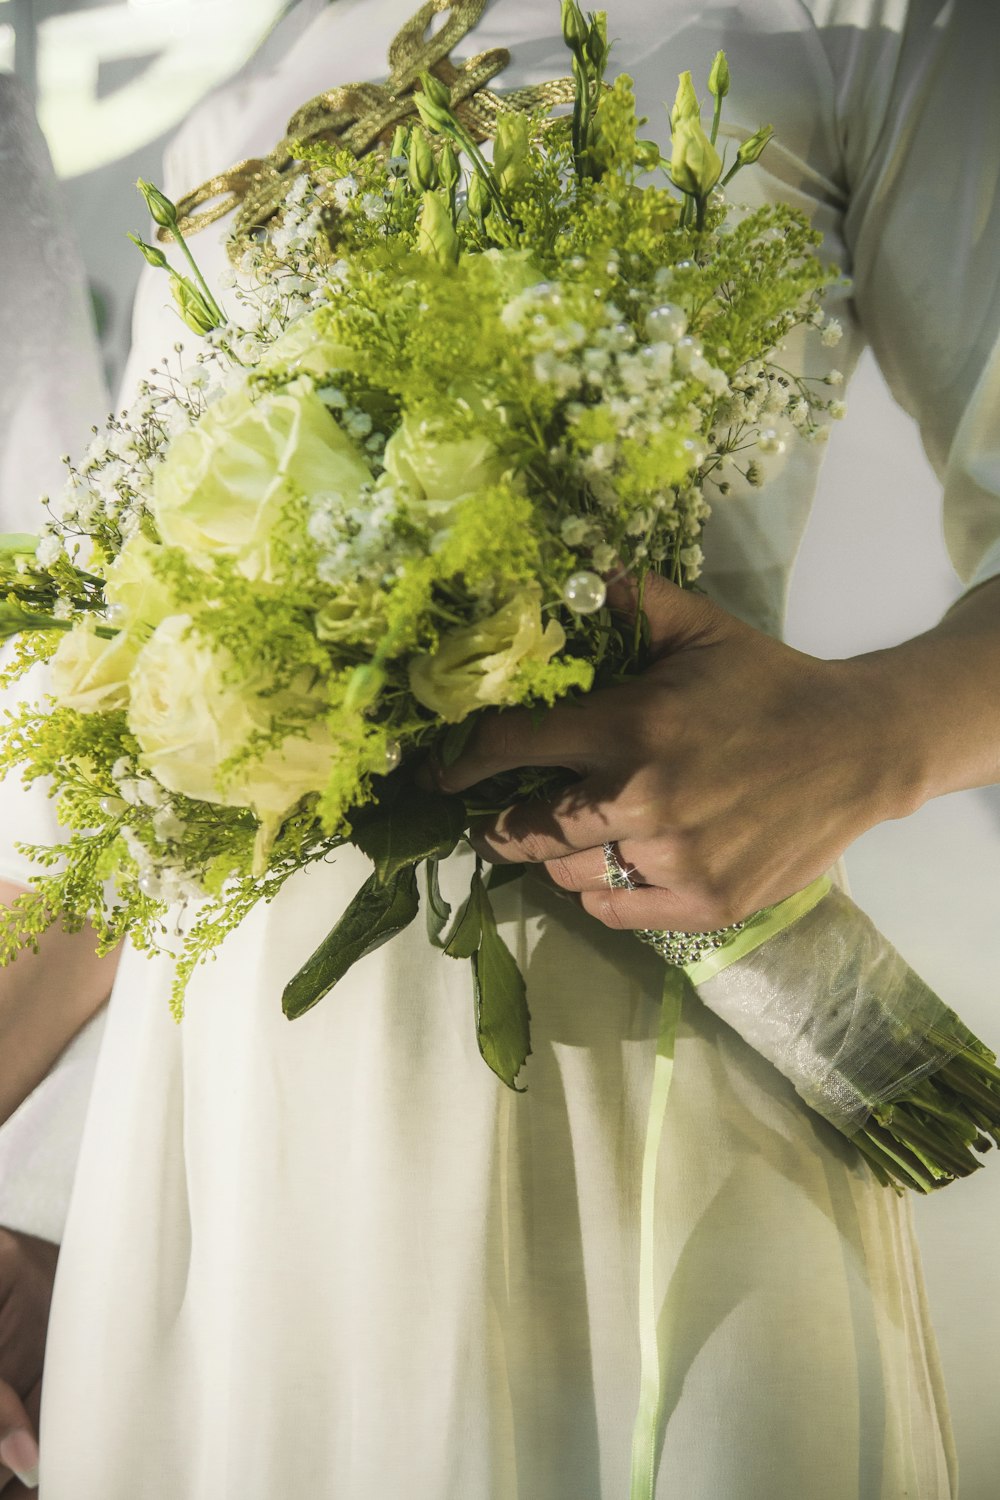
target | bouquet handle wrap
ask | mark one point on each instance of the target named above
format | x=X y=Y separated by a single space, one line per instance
x=831 y=1003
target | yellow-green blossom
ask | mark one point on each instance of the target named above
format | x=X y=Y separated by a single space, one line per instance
x=189 y=719
x=224 y=483
x=90 y=673
x=477 y=665
x=433 y=473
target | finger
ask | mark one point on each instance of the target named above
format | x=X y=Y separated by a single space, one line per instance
x=536 y=832
x=588 y=870
x=564 y=735
x=18 y=1438
x=650 y=908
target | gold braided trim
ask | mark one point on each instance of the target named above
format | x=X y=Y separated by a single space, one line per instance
x=363 y=117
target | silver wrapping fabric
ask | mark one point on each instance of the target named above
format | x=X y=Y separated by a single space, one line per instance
x=838 y=1011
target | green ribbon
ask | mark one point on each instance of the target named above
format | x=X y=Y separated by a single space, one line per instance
x=759 y=928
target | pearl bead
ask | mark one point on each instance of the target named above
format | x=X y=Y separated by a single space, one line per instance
x=584 y=593
x=111 y=805
x=770 y=441
x=393 y=756
x=687 y=350
x=666 y=324
x=149 y=883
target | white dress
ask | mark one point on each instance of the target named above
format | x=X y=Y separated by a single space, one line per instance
x=334 y=1259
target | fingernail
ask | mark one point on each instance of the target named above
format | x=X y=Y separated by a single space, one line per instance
x=19 y=1452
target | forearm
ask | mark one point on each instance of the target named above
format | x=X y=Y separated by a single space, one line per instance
x=45 y=999
x=942 y=696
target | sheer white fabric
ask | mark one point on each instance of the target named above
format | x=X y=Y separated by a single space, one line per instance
x=52 y=390
x=335 y=1258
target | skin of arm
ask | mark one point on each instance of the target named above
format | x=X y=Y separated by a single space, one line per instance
x=45 y=999
x=736 y=769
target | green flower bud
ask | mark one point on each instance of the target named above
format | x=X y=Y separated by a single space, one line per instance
x=400 y=139
x=153 y=256
x=686 y=106
x=695 y=165
x=597 y=41
x=510 y=152
x=162 y=211
x=423 y=171
x=751 y=149
x=366 y=683
x=435 y=116
x=449 y=169
x=574 y=27
x=718 y=79
x=437 y=237
x=437 y=92
x=647 y=155
x=192 y=306
x=480 y=201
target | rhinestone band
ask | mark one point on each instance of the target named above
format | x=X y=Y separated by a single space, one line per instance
x=680 y=948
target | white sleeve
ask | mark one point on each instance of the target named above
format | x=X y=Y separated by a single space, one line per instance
x=52 y=390
x=919 y=120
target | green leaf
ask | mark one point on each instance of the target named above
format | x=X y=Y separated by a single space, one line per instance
x=503 y=1024
x=438 y=909
x=466 y=934
x=378 y=912
x=413 y=826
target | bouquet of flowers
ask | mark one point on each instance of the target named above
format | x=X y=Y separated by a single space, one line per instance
x=457 y=395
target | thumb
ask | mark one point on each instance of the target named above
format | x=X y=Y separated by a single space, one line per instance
x=677 y=617
x=18 y=1443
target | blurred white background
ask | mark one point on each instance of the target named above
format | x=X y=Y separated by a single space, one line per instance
x=113 y=80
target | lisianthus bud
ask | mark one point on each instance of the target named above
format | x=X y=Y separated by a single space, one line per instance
x=718 y=79
x=751 y=149
x=400 y=138
x=192 y=306
x=437 y=92
x=422 y=166
x=647 y=155
x=162 y=211
x=435 y=116
x=448 y=167
x=480 y=202
x=153 y=256
x=366 y=683
x=597 y=41
x=574 y=27
x=437 y=235
x=510 y=153
x=686 y=106
x=695 y=165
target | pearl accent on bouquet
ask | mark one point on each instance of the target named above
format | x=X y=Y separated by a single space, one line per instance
x=666 y=324
x=584 y=593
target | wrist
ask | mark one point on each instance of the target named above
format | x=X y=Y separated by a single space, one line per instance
x=895 y=746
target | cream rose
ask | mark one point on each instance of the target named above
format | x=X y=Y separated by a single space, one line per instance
x=436 y=473
x=476 y=665
x=309 y=348
x=188 y=719
x=224 y=482
x=132 y=585
x=91 y=673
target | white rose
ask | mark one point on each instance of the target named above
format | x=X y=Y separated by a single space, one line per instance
x=436 y=473
x=223 y=484
x=188 y=719
x=91 y=673
x=476 y=665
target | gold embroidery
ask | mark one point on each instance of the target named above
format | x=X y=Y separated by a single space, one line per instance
x=363 y=117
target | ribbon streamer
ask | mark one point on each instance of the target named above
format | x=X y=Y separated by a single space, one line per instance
x=363 y=117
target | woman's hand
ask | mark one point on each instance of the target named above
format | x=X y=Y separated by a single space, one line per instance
x=27 y=1274
x=733 y=772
